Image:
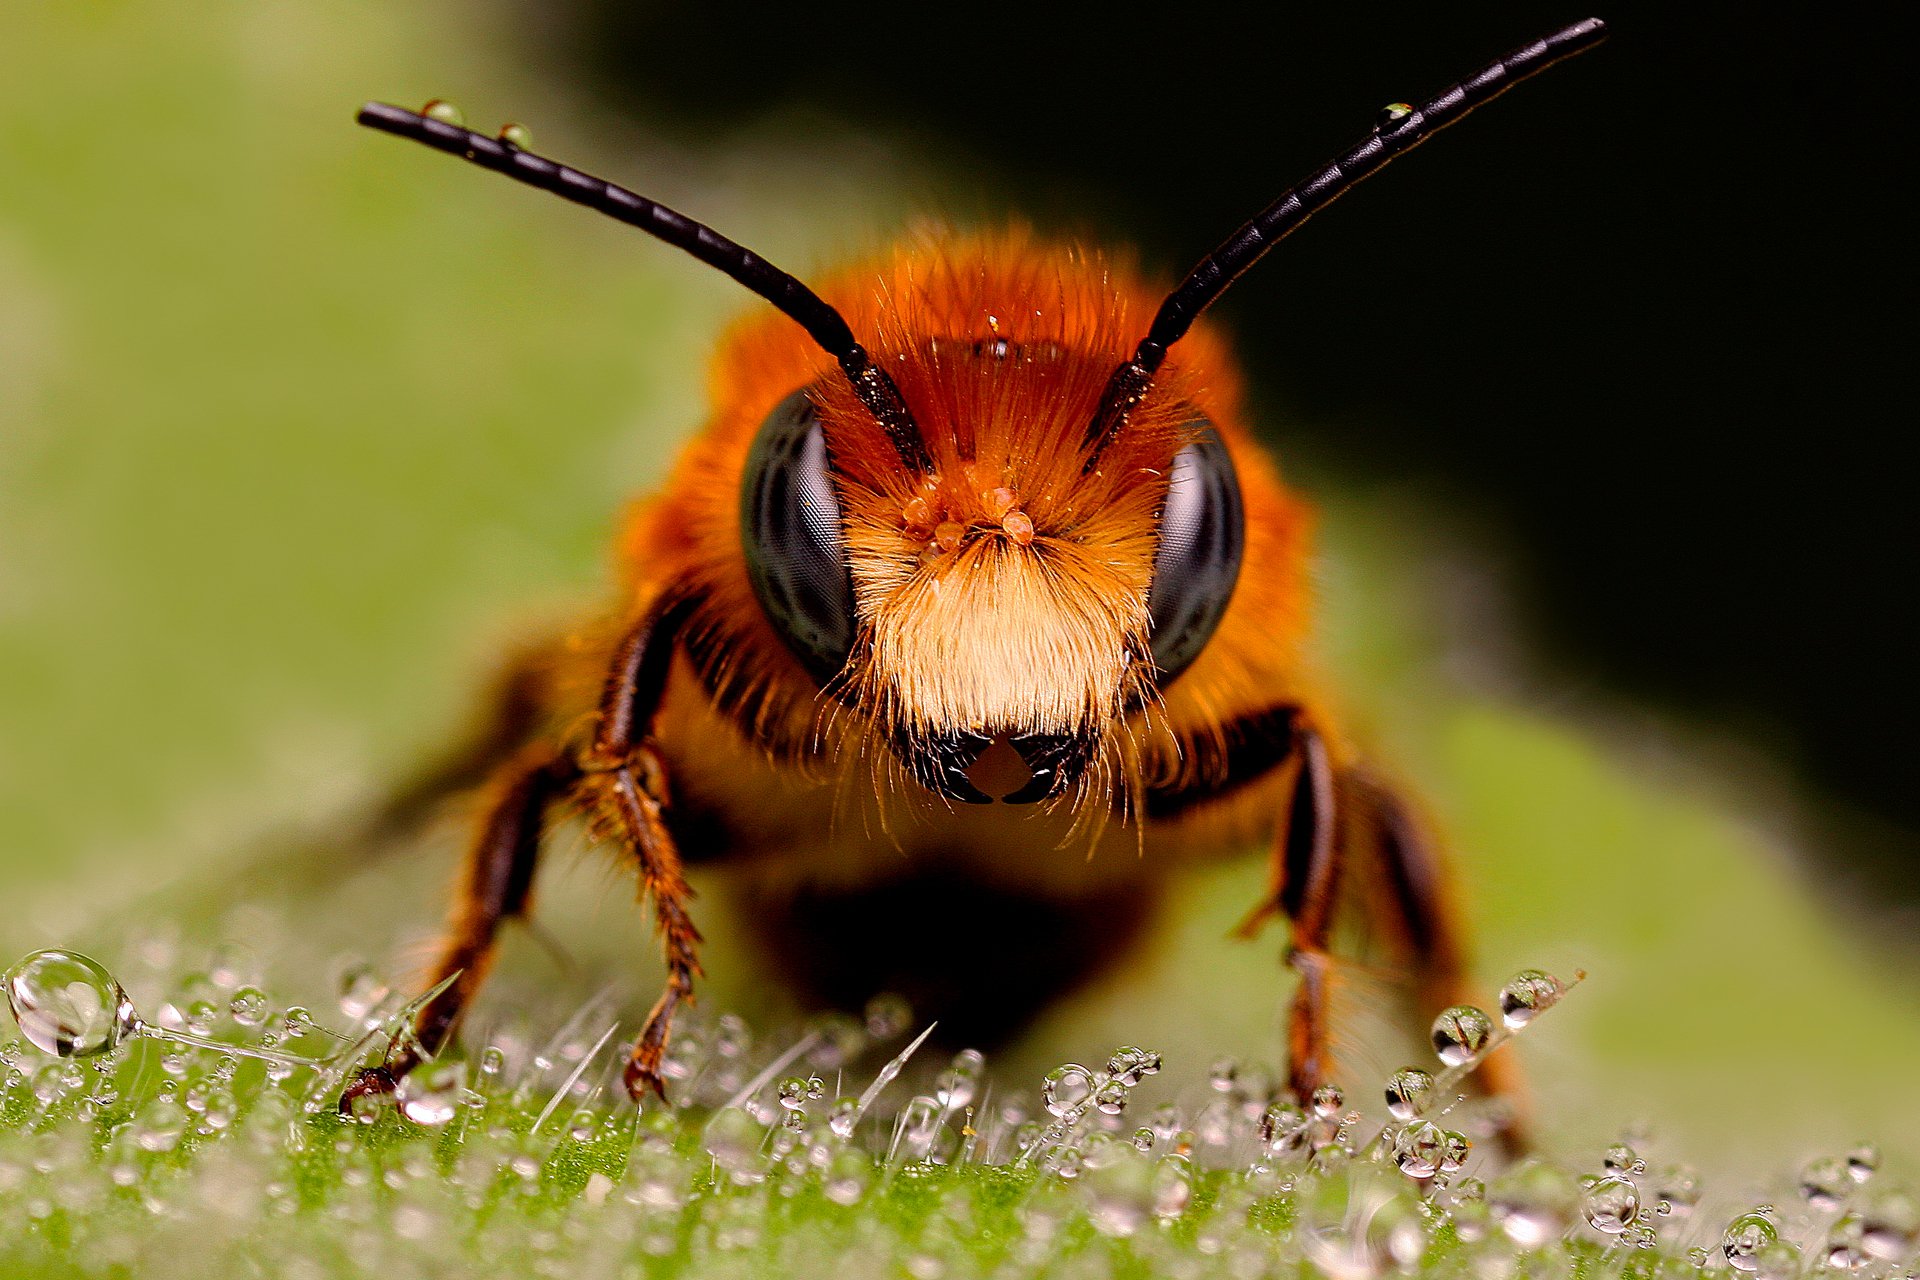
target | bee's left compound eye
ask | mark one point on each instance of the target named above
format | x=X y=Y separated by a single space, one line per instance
x=1202 y=533
x=790 y=522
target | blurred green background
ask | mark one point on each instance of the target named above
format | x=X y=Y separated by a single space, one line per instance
x=299 y=425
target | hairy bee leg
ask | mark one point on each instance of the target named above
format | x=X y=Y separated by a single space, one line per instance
x=496 y=885
x=511 y=711
x=1418 y=907
x=625 y=790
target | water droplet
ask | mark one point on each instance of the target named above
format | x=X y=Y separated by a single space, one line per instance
x=848 y=1177
x=733 y=1140
x=1391 y=115
x=361 y=990
x=793 y=1093
x=515 y=134
x=845 y=1114
x=429 y=1095
x=961 y=1080
x=1224 y=1075
x=1121 y=1196
x=1890 y=1226
x=1418 y=1149
x=1460 y=1034
x=1143 y=1140
x=1611 y=1204
x=1110 y=1097
x=1745 y=1237
x=1328 y=1100
x=443 y=111
x=1527 y=993
x=1067 y=1088
x=1826 y=1183
x=1533 y=1204
x=888 y=1015
x=248 y=1006
x=69 y=1005
x=1407 y=1092
x=1284 y=1129
x=1862 y=1161
x=1131 y=1064
x=161 y=1125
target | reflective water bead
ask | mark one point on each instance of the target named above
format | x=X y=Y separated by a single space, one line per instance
x=1110 y=1097
x=429 y=1095
x=1745 y=1237
x=1407 y=1092
x=443 y=111
x=1392 y=114
x=845 y=1114
x=1527 y=993
x=1143 y=1140
x=1284 y=1128
x=888 y=1015
x=516 y=135
x=792 y=1093
x=1862 y=1161
x=1825 y=1184
x=1623 y=1160
x=248 y=1007
x=1067 y=1088
x=1778 y=1261
x=1460 y=1034
x=69 y=1005
x=1224 y=1075
x=1533 y=1204
x=733 y=1140
x=1130 y=1064
x=1890 y=1226
x=1120 y=1195
x=1455 y=1150
x=361 y=990
x=961 y=1080
x=1418 y=1150
x=1328 y=1100
x=1844 y=1248
x=161 y=1125
x=1610 y=1205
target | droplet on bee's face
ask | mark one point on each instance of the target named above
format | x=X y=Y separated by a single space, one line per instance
x=69 y=1005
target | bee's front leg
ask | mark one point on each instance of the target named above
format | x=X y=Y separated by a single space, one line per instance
x=624 y=791
x=497 y=884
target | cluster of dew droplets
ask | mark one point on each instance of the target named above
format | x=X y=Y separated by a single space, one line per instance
x=1847 y=1223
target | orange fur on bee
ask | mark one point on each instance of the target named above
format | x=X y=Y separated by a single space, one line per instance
x=1049 y=573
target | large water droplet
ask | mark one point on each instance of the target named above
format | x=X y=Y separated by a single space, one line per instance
x=1527 y=993
x=1745 y=1237
x=1460 y=1034
x=1407 y=1092
x=69 y=1005
x=430 y=1094
x=1610 y=1205
x=1826 y=1184
x=961 y=1080
x=1533 y=1204
x=443 y=111
x=1067 y=1088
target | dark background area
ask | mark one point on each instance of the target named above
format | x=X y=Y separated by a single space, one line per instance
x=1647 y=319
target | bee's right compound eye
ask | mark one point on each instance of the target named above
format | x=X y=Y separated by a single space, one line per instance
x=790 y=527
x=1203 y=530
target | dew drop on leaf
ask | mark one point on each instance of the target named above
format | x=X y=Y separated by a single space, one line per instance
x=1460 y=1034
x=69 y=1005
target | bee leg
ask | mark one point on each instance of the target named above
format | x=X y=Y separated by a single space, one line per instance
x=1417 y=906
x=511 y=712
x=497 y=884
x=625 y=792
x=1307 y=864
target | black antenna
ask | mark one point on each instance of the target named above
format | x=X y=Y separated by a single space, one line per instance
x=824 y=324
x=1400 y=130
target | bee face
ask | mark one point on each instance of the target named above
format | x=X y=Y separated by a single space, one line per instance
x=999 y=616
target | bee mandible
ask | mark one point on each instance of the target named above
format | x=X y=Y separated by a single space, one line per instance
x=973 y=601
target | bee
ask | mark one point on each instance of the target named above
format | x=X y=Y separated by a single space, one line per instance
x=976 y=600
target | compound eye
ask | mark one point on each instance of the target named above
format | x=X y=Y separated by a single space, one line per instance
x=1203 y=531
x=790 y=522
